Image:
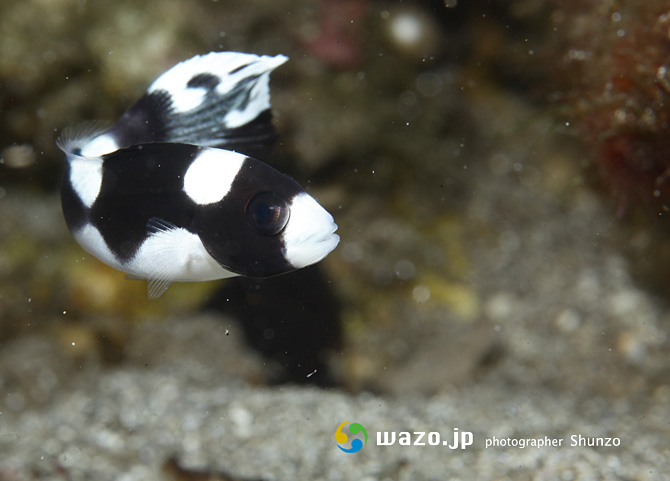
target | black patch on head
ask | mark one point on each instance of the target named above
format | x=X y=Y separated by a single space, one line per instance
x=146 y=121
x=224 y=226
x=139 y=183
x=204 y=80
x=74 y=210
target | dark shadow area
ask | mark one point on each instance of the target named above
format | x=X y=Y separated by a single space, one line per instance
x=292 y=320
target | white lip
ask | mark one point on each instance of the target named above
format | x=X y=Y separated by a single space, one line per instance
x=310 y=233
x=329 y=242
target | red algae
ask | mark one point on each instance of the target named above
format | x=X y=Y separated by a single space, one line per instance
x=341 y=39
x=613 y=85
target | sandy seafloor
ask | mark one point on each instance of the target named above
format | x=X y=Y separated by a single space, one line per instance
x=481 y=285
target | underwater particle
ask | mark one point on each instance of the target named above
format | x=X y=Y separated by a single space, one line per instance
x=50 y=56
x=405 y=269
x=413 y=33
x=352 y=252
x=242 y=420
x=18 y=156
x=421 y=294
x=500 y=306
x=406 y=29
x=408 y=106
x=15 y=401
x=632 y=347
x=82 y=339
x=429 y=84
x=568 y=320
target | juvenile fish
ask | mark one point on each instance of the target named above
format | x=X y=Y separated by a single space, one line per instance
x=169 y=194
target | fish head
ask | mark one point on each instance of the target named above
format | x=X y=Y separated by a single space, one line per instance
x=254 y=220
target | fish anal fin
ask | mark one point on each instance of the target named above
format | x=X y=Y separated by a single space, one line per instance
x=156 y=288
x=162 y=252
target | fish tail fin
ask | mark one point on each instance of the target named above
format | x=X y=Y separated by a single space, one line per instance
x=73 y=140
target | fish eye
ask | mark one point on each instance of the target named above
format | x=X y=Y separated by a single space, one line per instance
x=267 y=213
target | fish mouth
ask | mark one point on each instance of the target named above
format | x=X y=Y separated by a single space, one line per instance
x=322 y=244
x=329 y=241
x=310 y=233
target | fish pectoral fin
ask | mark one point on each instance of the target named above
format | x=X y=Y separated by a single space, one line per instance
x=156 y=224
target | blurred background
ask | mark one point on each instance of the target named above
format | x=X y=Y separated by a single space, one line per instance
x=498 y=173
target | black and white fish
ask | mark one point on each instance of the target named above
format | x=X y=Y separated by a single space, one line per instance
x=157 y=197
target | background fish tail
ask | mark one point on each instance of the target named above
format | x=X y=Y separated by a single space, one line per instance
x=223 y=101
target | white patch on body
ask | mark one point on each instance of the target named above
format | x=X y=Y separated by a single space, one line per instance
x=174 y=255
x=221 y=64
x=309 y=235
x=166 y=256
x=91 y=240
x=211 y=175
x=86 y=177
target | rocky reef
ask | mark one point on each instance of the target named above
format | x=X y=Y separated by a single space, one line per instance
x=492 y=167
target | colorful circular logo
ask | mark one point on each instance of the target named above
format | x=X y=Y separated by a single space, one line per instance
x=356 y=432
